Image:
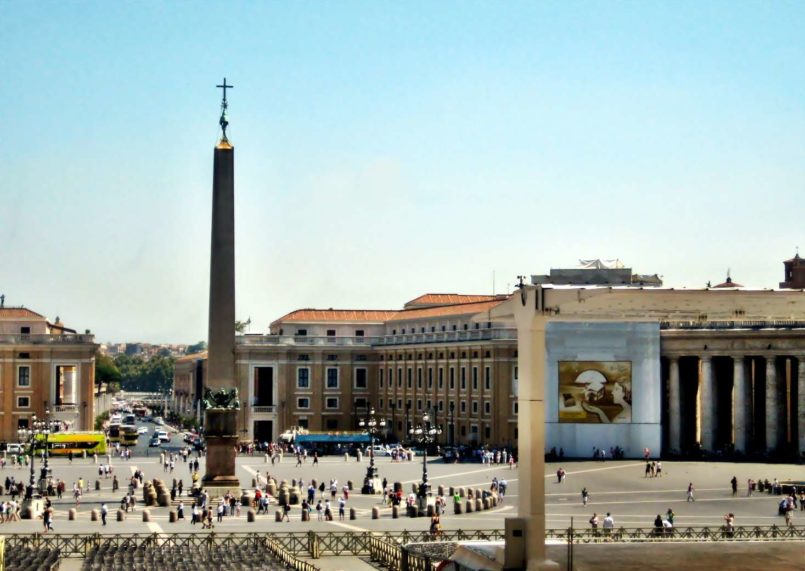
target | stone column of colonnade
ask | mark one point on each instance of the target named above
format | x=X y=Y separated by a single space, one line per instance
x=707 y=404
x=674 y=406
x=801 y=401
x=742 y=402
x=772 y=405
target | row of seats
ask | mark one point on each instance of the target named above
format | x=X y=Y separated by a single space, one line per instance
x=26 y=559
x=180 y=558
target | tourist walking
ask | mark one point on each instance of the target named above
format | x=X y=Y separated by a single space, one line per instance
x=690 y=492
x=609 y=524
x=585 y=496
x=734 y=484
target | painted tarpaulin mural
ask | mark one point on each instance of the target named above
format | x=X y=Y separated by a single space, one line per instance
x=595 y=392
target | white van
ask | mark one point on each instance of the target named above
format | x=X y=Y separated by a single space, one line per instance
x=15 y=448
x=162 y=435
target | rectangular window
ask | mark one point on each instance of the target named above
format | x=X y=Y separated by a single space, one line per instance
x=487 y=432
x=361 y=378
x=23 y=402
x=419 y=404
x=302 y=378
x=475 y=407
x=301 y=332
x=463 y=406
x=487 y=378
x=380 y=378
x=515 y=407
x=332 y=357
x=399 y=404
x=463 y=378
x=430 y=377
x=332 y=377
x=515 y=381
x=391 y=377
x=474 y=429
x=303 y=357
x=475 y=378
x=331 y=402
x=332 y=424
x=360 y=357
x=487 y=407
x=381 y=404
x=441 y=405
x=24 y=376
x=399 y=377
x=441 y=377
x=331 y=333
x=25 y=330
x=303 y=423
x=303 y=402
x=360 y=403
x=359 y=333
x=452 y=378
x=419 y=378
x=410 y=377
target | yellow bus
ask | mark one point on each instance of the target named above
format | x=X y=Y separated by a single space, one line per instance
x=128 y=435
x=62 y=443
x=114 y=432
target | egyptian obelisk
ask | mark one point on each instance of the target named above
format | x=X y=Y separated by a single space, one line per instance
x=221 y=425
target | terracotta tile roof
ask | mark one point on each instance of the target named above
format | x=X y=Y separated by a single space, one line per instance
x=18 y=312
x=430 y=299
x=359 y=315
x=444 y=310
x=191 y=357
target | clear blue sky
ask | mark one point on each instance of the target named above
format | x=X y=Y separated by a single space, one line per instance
x=387 y=149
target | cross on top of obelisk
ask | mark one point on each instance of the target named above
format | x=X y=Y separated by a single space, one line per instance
x=224 y=105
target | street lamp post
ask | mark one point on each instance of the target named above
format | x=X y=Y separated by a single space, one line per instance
x=373 y=425
x=452 y=423
x=425 y=433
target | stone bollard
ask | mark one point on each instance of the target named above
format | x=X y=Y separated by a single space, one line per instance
x=452 y=491
x=477 y=504
x=93 y=515
x=146 y=515
x=121 y=515
x=395 y=512
x=353 y=514
x=71 y=514
x=305 y=515
x=97 y=485
x=441 y=490
x=278 y=516
x=494 y=501
x=2 y=488
x=486 y=503
x=375 y=513
x=430 y=510
x=457 y=508
x=461 y=492
x=254 y=482
x=172 y=517
x=245 y=500
x=250 y=516
x=349 y=485
x=478 y=493
x=469 y=506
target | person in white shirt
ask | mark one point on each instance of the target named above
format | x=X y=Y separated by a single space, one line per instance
x=609 y=524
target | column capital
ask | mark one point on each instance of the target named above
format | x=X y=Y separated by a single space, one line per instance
x=706 y=358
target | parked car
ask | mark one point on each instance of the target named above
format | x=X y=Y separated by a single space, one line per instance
x=154 y=442
x=15 y=448
x=142 y=430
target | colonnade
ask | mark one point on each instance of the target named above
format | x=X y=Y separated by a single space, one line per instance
x=766 y=411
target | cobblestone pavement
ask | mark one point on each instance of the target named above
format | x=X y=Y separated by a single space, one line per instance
x=616 y=486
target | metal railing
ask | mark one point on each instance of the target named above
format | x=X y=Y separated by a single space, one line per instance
x=299 y=544
x=258 y=409
x=681 y=534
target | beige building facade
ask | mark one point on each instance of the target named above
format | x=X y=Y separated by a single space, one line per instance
x=44 y=368
x=722 y=377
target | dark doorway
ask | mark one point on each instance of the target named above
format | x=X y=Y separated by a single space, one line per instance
x=688 y=389
x=263 y=430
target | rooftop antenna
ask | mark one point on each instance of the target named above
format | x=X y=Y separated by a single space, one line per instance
x=3 y=300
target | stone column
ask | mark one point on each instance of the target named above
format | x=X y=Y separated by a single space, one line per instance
x=801 y=402
x=674 y=407
x=706 y=403
x=740 y=403
x=772 y=405
x=531 y=333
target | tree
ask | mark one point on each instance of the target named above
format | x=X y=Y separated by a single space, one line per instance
x=240 y=326
x=106 y=371
x=196 y=348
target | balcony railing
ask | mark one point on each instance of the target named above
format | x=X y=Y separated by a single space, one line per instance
x=262 y=409
x=23 y=339
x=498 y=333
x=737 y=324
x=494 y=334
